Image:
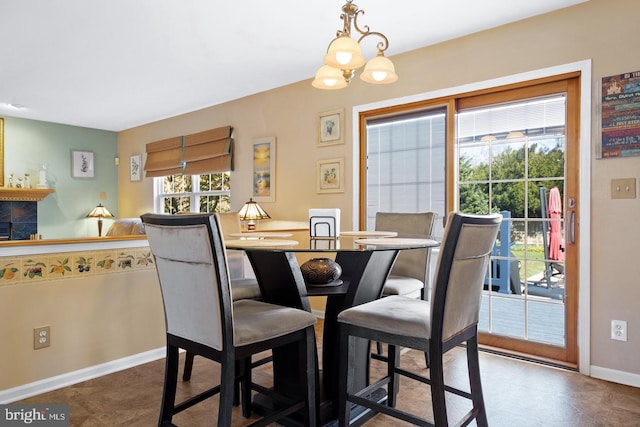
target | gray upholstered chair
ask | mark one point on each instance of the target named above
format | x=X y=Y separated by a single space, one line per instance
x=435 y=327
x=242 y=287
x=409 y=275
x=202 y=318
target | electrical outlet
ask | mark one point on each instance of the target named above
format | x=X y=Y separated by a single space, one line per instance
x=619 y=330
x=41 y=337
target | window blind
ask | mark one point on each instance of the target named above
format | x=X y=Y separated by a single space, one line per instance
x=164 y=157
x=210 y=151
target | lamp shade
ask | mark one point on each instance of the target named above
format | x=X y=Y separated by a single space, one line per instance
x=251 y=211
x=379 y=70
x=100 y=212
x=329 y=78
x=344 y=53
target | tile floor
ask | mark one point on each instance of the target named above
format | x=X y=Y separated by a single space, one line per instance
x=517 y=393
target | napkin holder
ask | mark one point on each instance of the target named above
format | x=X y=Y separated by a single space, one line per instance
x=324 y=223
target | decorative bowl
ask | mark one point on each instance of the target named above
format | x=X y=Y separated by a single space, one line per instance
x=319 y=271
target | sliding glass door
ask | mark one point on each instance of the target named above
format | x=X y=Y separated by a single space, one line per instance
x=512 y=150
x=513 y=158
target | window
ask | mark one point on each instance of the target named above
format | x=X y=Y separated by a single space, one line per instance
x=193 y=193
x=192 y=172
x=405 y=164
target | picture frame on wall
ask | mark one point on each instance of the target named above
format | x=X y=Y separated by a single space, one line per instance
x=82 y=164
x=330 y=177
x=264 y=169
x=135 y=167
x=331 y=128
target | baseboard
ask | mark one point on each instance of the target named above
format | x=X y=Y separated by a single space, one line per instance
x=70 y=378
x=612 y=375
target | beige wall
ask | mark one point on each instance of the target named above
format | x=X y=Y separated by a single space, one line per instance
x=94 y=319
x=605 y=31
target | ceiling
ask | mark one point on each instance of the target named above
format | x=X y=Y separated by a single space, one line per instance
x=118 y=64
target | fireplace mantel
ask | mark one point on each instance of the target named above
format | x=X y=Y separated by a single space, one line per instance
x=24 y=194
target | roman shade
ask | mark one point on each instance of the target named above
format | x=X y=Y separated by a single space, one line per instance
x=164 y=157
x=203 y=152
x=208 y=151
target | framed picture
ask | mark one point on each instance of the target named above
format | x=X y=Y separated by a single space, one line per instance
x=264 y=169
x=82 y=164
x=331 y=176
x=135 y=167
x=330 y=128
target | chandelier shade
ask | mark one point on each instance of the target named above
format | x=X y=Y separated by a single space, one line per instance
x=344 y=55
x=329 y=78
x=379 y=71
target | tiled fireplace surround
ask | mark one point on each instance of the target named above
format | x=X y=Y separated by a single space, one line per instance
x=23 y=215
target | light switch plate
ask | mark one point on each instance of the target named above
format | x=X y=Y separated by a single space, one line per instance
x=623 y=188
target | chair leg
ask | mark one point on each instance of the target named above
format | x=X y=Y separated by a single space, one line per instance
x=227 y=385
x=170 y=384
x=473 y=364
x=245 y=386
x=393 y=355
x=308 y=374
x=188 y=366
x=345 y=376
x=438 y=388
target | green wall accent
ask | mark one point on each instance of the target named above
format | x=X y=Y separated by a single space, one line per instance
x=30 y=143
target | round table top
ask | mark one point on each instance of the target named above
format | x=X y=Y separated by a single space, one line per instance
x=302 y=242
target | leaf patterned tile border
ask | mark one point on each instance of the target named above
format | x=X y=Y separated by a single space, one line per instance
x=34 y=268
x=10 y=270
x=38 y=268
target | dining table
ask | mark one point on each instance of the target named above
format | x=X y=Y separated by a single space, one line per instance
x=365 y=260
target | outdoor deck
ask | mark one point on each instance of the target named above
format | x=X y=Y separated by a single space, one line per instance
x=534 y=317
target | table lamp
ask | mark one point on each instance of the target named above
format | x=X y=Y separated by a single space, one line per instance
x=251 y=212
x=100 y=212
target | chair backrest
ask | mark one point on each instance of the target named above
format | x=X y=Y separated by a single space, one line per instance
x=413 y=263
x=461 y=268
x=193 y=274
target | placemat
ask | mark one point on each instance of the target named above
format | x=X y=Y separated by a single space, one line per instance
x=259 y=242
x=261 y=234
x=396 y=241
x=368 y=233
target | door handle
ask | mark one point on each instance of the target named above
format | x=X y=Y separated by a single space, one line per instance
x=572 y=227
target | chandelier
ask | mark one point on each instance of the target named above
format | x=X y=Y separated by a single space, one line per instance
x=344 y=56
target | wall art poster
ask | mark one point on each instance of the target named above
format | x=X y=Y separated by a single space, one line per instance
x=264 y=169
x=620 y=130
